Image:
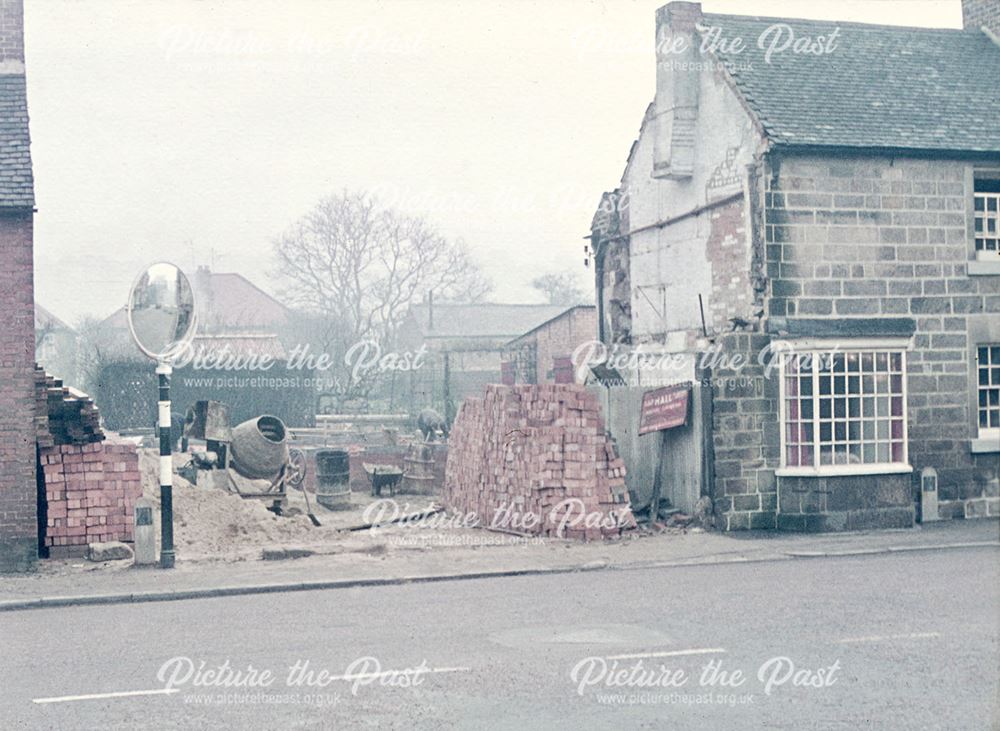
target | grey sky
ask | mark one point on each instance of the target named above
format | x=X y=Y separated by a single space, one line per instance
x=196 y=131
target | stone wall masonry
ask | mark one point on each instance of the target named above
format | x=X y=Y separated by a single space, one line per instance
x=745 y=437
x=527 y=449
x=881 y=237
x=91 y=491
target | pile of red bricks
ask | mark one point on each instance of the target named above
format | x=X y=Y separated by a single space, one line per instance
x=537 y=460
x=91 y=491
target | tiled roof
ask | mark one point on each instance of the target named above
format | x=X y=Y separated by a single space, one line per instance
x=16 y=183
x=482 y=320
x=228 y=303
x=881 y=86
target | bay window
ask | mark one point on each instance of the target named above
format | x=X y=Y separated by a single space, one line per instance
x=843 y=412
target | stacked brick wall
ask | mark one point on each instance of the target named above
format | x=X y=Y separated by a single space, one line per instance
x=526 y=450
x=870 y=238
x=91 y=491
x=18 y=491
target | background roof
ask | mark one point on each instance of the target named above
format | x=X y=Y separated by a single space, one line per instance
x=482 y=320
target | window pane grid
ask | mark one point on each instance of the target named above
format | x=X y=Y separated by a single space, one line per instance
x=988 y=372
x=987 y=221
x=844 y=408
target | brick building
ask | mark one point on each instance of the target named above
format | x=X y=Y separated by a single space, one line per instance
x=544 y=354
x=826 y=210
x=18 y=490
x=463 y=343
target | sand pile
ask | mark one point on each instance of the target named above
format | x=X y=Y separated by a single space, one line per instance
x=209 y=522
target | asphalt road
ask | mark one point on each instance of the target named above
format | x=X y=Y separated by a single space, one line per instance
x=901 y=641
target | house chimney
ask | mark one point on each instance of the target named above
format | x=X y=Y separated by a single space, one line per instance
x=11 y=37
x=677 y=81
x=982 y=15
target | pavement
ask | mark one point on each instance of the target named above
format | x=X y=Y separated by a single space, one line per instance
x=409 y=554
x=897 y=640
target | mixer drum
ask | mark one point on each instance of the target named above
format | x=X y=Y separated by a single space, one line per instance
x=259 y=450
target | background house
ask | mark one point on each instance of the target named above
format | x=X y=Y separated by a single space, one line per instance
x=544 y=353
x=843 y=201
x=55 y=345
x=236 y=319
x=464 y=343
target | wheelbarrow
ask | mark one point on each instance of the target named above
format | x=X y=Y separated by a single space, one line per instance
x=383 y=475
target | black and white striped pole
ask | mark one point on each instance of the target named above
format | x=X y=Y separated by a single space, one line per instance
x=163 y=371
x=161 y=319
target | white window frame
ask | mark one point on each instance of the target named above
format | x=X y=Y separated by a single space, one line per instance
x=981 y=262
x=987 y=216
x=813 y=346
x=988 y=435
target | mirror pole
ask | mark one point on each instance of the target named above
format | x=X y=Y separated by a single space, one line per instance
x=163 y=371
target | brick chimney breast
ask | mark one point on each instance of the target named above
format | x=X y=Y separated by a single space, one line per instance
x=11 y=37
x=677 y=83
x=980 y=14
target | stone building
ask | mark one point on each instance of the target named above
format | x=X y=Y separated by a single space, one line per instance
x=18 y=490
x=819 y=199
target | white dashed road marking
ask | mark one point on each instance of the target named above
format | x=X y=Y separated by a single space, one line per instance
x=667 y=653
x=99 y=696
x=882 y=638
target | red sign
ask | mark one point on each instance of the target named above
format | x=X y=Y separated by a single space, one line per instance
x=664 y=408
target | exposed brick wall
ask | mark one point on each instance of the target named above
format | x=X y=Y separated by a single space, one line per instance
x=529 y=449
x=887 y=237
x=91 y=491
x=11 y=30
x=727 y=250
x=533 y=355
x=562 y=336
x=18 y=491
x=978 y=13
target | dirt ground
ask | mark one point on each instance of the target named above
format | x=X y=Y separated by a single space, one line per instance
x=215 y=526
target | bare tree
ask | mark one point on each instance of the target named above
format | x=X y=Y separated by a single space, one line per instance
x=361 y=266
x=98 y=345
x=559 y=289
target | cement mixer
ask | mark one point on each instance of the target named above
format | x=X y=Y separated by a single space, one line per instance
x=257 y=449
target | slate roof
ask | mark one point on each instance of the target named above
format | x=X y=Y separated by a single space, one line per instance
x=16 y=182
x=882 y=86
x=482 y=320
